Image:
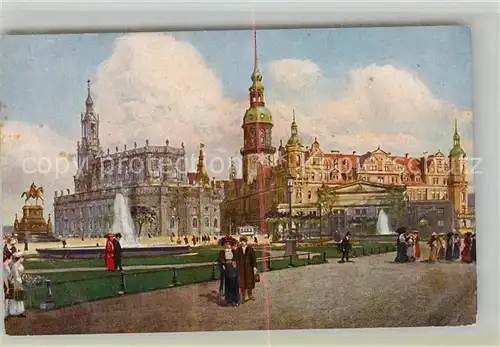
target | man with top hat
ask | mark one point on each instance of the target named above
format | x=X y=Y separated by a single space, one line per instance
x=117 y=252
x=345 y=246
x=247 y=265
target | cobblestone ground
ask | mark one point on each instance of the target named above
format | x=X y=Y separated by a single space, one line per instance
x=371 y=292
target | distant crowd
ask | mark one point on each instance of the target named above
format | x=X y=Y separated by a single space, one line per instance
x=450 y=247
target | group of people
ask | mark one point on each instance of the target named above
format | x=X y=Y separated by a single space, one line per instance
x=113 y=257
x=449 y=248
x=238 y=271
x=14 y=291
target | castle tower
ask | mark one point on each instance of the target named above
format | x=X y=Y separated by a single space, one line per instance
x=257 y=129
x=89 y=146
x=457 y=181
x=294 y=149
x=201 y=170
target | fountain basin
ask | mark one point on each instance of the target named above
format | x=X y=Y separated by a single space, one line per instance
x=93 y=252
x=376 y=238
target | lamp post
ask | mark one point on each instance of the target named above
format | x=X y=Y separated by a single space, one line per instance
x=290 y=242
x=320 y=219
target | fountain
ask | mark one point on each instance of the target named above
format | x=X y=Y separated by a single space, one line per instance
x=131 y=248
x=123 y=223
x=383 y=224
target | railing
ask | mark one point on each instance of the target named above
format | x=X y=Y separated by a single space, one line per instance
x=112 y=284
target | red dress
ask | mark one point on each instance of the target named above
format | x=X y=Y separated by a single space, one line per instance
x=467 y=251
x=110 y=262
x=416 y=247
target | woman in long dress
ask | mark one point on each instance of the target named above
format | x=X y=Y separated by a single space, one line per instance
x=416 y=245
x=231 y=273
x=410 y=241
x=434 y=244
x=402 y=257
x=8 y=289
x=467 y=251
x=110 y=251
x=16 y=305
x=442 y=247
x=449 y=246
x=457 y=243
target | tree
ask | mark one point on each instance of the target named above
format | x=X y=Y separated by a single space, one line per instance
x=395 y=201
x=327 y=199
x=142 y=215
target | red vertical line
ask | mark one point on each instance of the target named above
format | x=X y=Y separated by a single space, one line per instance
x=260 y=185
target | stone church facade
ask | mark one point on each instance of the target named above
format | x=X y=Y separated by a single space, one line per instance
x=184 y=203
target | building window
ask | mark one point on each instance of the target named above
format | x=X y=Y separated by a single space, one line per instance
x=172 y=222
x=312 y=176
x=419 y=195
x=195 y=222
x=215 y=223
x=444 y=181
x=380 y=179
x=363 y=211
x=320 y=176
x=207 y=222
x=331 y=176
x=309 y=195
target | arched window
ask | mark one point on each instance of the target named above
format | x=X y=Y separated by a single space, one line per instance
x=172 y=222
x=215 y=223
x=207 y=222
x=195 y=222
x=262 y=136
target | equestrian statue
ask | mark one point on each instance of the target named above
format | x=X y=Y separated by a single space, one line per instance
x=33 y=193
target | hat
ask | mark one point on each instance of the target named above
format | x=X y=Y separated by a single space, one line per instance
x=118 y=235
x=243 y=238
x=433 y=234
x=13 y=241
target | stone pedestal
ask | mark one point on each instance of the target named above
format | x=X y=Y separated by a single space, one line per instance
x=33 y=226
x=291 y=248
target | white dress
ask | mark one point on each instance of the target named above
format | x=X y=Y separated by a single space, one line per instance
x=6 y=275
x=16 y=307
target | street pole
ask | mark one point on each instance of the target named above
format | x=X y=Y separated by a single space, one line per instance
x=178 y=209
x=320 y=219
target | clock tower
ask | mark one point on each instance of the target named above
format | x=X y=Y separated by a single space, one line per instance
x=257 y=132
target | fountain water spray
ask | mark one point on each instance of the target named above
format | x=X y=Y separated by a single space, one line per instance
x=383 y=224
x=123 y=223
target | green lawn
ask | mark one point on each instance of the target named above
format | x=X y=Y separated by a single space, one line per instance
x=71 y=288
x=204 y=254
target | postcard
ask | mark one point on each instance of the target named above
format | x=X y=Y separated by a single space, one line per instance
x=238 y=180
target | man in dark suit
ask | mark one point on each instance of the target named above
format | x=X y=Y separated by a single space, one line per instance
x=345 y=246
x=117 y=253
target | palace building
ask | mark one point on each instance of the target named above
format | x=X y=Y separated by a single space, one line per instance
x=155 y=177
x=361 y=181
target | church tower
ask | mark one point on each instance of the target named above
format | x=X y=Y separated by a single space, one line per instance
x=257 y=129
x=89 y=147
x=294 y=149
x=457 y=181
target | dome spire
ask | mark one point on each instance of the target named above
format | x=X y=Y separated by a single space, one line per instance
x=89 y=102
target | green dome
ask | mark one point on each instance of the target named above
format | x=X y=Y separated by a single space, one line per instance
x=258 y=115
x=457 y=151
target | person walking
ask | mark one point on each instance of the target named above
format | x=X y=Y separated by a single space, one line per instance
x=450 y=244
x=434 y=244
x=345 y=246
x=117 y=252
x=227 y=259
x=8 y=289
x=109 y=261
x=416 y=244
x=467 y=251
x=247 y=265
x=473 y=247
x=457 y=244
x=16 y=305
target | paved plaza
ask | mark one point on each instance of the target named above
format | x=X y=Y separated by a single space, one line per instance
x=371 y=292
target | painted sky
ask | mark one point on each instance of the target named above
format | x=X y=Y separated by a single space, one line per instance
x=353 y=88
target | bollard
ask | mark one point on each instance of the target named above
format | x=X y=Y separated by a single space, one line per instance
x=213 y=272
x=308 y=258
x=175 y=282
x=324 y=257
x=48 y=304
x=122 y=284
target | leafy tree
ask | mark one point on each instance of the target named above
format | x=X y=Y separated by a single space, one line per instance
x=395 y=201
x=142 y=215
x=327 y=198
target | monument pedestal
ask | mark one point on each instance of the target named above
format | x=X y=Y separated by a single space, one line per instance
x=33 y=226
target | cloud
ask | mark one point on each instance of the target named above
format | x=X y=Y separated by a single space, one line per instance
x=156 y=87
x=294 y=73
x=33 y=153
